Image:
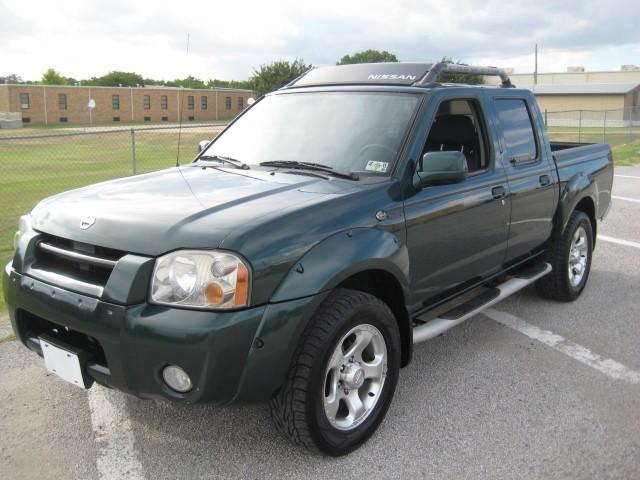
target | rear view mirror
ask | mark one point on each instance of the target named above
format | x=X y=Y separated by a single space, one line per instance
x=441 y=168
x=203 y=144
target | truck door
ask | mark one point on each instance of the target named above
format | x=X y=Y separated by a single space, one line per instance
x=457 y=233
x=530 y=176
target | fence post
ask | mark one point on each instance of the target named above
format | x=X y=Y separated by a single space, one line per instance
x=133 y=151
x=604 y=128
x=579 y=126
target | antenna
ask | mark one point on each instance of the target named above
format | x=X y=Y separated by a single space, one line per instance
x=182 y=106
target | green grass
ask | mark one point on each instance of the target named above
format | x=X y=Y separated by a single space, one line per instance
x=32 y=169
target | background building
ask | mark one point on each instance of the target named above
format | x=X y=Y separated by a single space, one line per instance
x=579 y=96
x=52 y=104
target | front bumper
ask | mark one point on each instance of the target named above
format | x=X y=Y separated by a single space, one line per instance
x=238 y=356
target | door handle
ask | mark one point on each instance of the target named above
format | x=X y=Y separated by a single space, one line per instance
x=499 y=192
x=545 y=180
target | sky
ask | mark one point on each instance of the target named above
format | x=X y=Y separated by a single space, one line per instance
x=84 y=38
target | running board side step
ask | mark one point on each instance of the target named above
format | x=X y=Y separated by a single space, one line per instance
x=472 y=307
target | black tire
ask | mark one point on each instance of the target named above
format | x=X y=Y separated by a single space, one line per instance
x=557 y=285
x=298 y=410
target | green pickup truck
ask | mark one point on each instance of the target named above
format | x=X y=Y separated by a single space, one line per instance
x=331 y=226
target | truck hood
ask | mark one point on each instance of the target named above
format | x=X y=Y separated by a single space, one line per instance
x=184 y=207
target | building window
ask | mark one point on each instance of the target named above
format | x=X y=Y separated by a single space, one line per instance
x=165 y=119
x=63 y=120
x=116 y=119
x=147 y=102
x=227 y=103
x=203 y=102
x=191 y=117
x=62 y=101
x=240 y=103
x=190 y=102
x=115 y=102
x=24 y=100
x=147 y=119
x=26 y=120
x=164 y=102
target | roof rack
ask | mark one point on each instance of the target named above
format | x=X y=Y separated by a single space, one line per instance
x=438 y=69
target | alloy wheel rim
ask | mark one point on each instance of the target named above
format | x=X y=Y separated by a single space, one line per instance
x=355 y=377
x=578 y=256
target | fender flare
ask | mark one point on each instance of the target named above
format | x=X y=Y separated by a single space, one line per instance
x=576 y=189
x=342 y=255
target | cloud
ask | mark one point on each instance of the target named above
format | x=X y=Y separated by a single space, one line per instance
x=84 y=38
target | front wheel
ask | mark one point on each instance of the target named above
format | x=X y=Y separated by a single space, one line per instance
x=570 y=256
x=343 y=375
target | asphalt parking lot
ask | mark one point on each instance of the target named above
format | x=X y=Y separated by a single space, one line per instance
x=530 y=389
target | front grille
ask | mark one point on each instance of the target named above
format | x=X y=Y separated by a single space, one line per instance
x=80 y=261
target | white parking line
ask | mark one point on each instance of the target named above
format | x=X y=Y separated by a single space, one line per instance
x=626 y=199
x=619 y=241
x=609 y=367
x=113 y=431
x=627 y=176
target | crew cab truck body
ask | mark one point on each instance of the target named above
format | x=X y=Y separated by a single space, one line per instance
x=299 y=257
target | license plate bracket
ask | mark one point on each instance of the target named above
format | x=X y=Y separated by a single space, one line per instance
x=65 y=361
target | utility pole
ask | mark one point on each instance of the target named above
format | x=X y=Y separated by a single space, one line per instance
x=535 y=68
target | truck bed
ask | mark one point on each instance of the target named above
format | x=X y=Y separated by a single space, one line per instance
x=592 y=160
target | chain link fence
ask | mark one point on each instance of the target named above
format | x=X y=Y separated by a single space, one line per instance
x=592 y=126
x=35 y=164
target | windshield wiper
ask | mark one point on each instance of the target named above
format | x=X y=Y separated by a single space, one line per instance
x=311 y=166
x=229 y=160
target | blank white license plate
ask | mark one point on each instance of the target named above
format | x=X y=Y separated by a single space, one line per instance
x=64 y=363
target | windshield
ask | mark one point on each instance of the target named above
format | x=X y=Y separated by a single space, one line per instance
x=347 y=131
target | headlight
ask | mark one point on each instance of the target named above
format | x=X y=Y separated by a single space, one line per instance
x=24 y=227
x=201 y=279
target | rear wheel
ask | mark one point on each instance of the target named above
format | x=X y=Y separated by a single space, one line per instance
x=570 y=257
x=343 y=375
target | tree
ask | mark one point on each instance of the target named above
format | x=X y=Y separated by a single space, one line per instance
x=51 y=77
x=116 y=79
x=368 y=56
x=468 y=78
x=270 y=77
x=12 y=78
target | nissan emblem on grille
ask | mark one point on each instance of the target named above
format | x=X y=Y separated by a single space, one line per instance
x=86 y=222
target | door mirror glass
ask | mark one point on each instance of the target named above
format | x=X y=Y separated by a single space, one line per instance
x=203 y=144
x=441 y=168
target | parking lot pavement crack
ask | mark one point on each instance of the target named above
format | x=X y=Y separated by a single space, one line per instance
x=609 y=367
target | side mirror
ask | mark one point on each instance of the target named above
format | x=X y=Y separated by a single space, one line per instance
x=441 y=168
x=203 y=144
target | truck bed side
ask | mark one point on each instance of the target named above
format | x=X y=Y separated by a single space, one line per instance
x=585 y=172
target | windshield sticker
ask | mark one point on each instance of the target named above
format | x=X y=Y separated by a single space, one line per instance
x=373 y=166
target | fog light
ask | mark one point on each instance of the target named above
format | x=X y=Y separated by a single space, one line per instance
x=176 y=378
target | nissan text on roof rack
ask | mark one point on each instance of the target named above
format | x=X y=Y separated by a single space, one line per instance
x=298 y=258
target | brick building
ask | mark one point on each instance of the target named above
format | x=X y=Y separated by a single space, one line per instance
x=52 y=104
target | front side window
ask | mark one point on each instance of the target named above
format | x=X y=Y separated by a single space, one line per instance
x=240 y=103
x=517 y=129
x=115 y=102
x=190 y=102
x=227 y=103
x=457 y=127
x=24 y=100
x=164 y=102
x=62 y=101
x=147 y=102
x=203 y=102
x=348 y=131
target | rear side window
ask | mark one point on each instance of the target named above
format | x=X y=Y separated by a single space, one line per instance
x=517 y=129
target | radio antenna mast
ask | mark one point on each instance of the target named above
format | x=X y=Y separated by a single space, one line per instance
x=182 y=106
